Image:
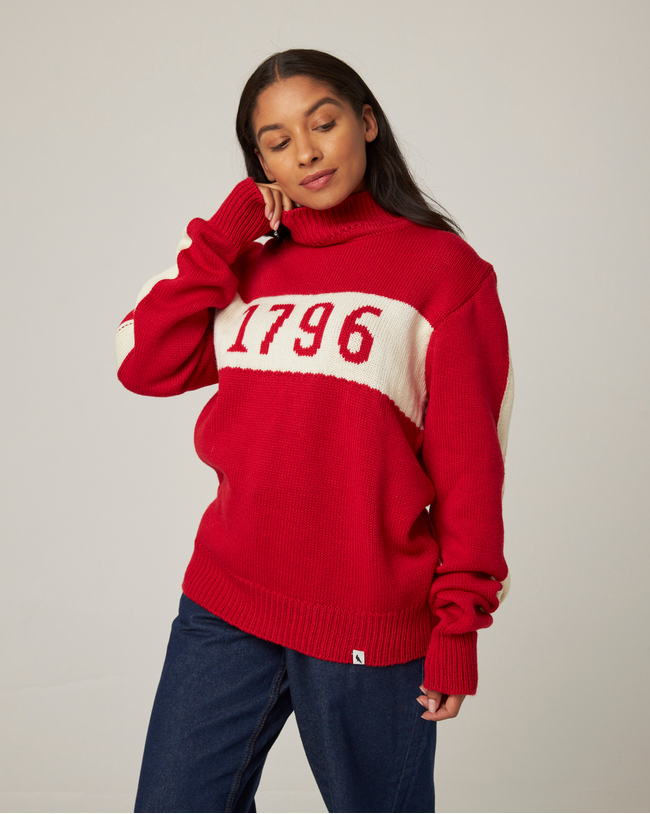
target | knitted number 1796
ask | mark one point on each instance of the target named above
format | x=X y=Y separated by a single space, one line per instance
x=350 y=328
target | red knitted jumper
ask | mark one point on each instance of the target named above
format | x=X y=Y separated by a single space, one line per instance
x=358 y=431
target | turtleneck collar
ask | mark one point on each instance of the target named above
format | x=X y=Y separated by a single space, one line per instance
x=356 y=216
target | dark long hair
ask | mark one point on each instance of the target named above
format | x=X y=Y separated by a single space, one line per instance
x=387 y=177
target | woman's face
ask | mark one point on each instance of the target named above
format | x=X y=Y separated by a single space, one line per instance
x=303 y=128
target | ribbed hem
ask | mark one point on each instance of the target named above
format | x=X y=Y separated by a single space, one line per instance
x=451 y=663
x=326 y=633
x=241 y=216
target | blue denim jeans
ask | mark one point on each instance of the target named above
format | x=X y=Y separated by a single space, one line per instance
x=224 y=696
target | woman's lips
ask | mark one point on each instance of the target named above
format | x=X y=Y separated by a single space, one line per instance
x=319 y=182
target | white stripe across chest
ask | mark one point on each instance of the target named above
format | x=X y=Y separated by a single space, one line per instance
x=365 y=338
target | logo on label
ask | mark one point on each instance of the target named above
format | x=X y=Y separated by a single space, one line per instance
x=358 y=657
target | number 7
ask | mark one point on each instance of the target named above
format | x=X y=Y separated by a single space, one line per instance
x=286 y=312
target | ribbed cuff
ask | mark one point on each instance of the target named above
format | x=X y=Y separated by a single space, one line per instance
x=240 y=217
x=451 y=663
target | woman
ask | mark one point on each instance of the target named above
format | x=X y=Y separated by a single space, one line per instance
x=363 y=369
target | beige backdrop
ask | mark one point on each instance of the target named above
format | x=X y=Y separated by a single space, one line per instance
x=529 y=121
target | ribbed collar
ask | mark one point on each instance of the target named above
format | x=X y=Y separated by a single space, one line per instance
x=357 y=216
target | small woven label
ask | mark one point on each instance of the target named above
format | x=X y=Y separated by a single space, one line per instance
x=358 y=657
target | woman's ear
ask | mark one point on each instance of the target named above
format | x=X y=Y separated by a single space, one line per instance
x=268 y=174
x=369 y=123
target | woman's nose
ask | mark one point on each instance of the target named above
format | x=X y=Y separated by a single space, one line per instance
x=308 y=152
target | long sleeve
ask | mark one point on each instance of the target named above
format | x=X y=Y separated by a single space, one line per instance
x=467 y=417
x=165 y=345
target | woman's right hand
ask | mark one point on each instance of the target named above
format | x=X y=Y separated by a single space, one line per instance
x=276 y=201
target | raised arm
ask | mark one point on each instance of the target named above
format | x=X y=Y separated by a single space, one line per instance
x=165 y=345
x=465 y=436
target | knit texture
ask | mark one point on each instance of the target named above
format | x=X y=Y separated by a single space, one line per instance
x=358 y=430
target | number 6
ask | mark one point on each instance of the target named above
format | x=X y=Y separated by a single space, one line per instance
x=350 y=327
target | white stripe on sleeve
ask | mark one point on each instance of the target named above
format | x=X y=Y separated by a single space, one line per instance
x=124 y=341
x=169 y=274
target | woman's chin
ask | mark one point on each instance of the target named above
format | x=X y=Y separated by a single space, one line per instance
x=328 y=201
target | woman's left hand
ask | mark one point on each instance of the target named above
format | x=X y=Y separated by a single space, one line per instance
x=440 y=706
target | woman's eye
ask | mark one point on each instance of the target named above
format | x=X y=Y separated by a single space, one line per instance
x=283 y=144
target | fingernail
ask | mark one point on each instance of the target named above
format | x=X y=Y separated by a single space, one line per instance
x=432 y=705
x=420 y=701
x=424 y=692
